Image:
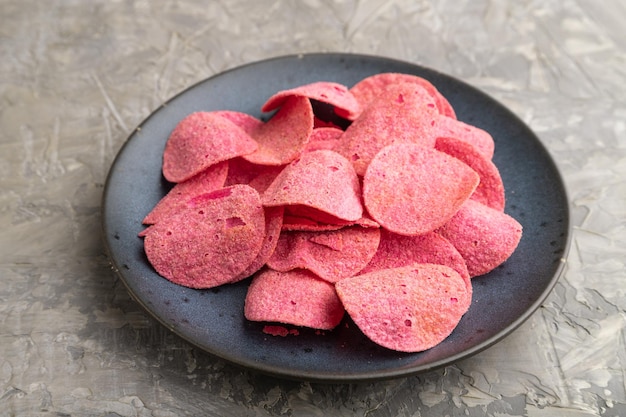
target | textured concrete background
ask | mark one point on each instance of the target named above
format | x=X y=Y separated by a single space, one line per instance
x=76 y=77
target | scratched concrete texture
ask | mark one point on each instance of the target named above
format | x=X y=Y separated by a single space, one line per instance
x=76 y=78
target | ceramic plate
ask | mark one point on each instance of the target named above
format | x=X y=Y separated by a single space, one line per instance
x=213 y=319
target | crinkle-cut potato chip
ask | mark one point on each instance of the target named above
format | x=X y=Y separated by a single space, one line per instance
x=479 y=138
x=323 y=181
x=331 y=255
x=332 y=93
x=485 y=237
x=402 y=113
x=273 y=227
x=408 y=309
x=323 y=138
x=200 y=140
x=210 y=241
x=283 y=138
x=208 y=180
x=367 y=90
x=411 y=190
x=490 y=189
x=296 y=297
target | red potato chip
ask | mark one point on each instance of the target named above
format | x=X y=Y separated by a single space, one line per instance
x=200 y=140
x=490 y=189
x=331 y=255
x=403 y=113
x=245 y=121
x=283 y=138
x=323 y=138
x=410 y=190
x=483 y=236
x=273 y=227
x=408 y=309
x=208 y=180
x=296 y=297
x=298 y=222
x=366 y=90
x=395 y=250
x=256 y=176
x=323 y=182
x=209 y=242
x=335 y=94
x=295 y=223
x=479 y=138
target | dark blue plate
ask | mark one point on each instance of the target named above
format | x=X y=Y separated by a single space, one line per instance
x=213 y=320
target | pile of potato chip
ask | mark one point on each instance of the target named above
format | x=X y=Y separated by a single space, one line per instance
x=385 y=210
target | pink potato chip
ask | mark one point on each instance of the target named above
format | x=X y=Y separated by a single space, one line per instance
x=296 y=297
x=479 y=138
x=208 y=180
x=297 y=221
x=403 y=113
x=396 y=250
x=490 y=189
x=200 y=140
x=273 y=227
x=408 y=309
x=430 y=248
x=411 y=190
x=245 y=121
x=485 y=237
x=331 y=255
x=322 y=181
x=323 y=138
x=283 y=138
x=210 y=241
x=331 y=93
x=369 y=88
x=256 y=176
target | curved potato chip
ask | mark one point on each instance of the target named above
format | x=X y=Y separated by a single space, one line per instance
x=490 y=189
x=478 y=138
x=256 y=176
x=411 y=190
x=331 y=255
x=200 y=140
x=408 y=309
x=210 y=241
x=327 y=92
x=403 y=113
x=396 y=250
x=323 y=138
x=208 y=180
x=485 y=237
x=296 y=297
x=245 y=121
x=322 y=181
x=273 y=227
x=283 y=138
x=367 y=90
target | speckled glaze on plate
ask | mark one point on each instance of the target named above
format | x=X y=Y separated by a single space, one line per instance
x=213 y=319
